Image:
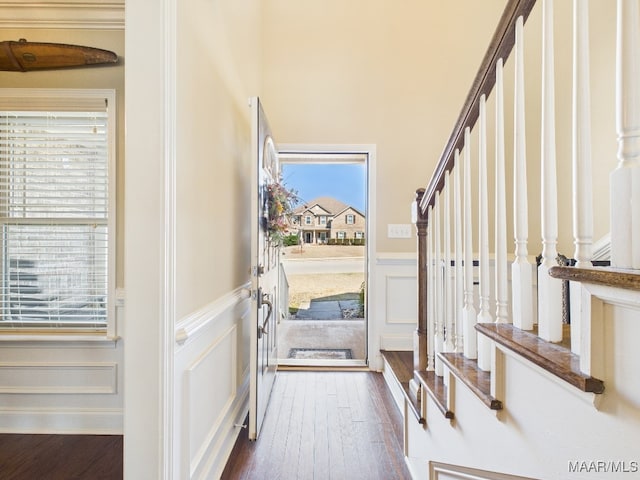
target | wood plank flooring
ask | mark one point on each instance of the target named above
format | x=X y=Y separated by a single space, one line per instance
x=60 y=457
x=322 y=426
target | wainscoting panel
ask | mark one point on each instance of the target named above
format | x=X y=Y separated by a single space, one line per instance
x=442 y=471
x=400 y=298
x=210 y=392
x=392 y=304
x=211 y=384
x=58 y=378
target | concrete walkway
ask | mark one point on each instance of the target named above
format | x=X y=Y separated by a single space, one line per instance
x=323 y=325
x=325 y=310
x=321 y=334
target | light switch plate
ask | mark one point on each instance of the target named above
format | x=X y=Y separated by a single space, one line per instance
x=399 y=230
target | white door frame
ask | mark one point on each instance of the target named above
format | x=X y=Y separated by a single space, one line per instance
x=370 y=234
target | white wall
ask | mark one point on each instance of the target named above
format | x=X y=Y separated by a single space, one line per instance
x=546 y=423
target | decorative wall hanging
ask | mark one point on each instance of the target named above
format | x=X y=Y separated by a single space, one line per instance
x=23 y=56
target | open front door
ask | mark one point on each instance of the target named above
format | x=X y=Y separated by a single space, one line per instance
x=265 y=272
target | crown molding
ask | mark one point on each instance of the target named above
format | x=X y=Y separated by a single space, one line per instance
x=69 y=14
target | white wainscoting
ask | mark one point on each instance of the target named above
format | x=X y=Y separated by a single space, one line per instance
x=400 y=298
x=442 y=471
x=63 y=383
x=392 y=304
x=212 y=384
x=75 y=378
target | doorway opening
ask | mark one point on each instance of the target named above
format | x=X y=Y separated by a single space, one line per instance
x=325 y=259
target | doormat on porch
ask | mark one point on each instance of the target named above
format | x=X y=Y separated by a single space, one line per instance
x=320 y=353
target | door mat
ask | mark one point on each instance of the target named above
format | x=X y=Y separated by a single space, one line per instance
x=320 y=353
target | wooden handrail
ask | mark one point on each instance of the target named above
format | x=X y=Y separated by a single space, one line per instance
x=500 y=47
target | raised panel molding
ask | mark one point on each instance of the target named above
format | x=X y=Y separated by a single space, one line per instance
x=210 y=395
x=400 y=295
x=75 y=378
x=85 y=14
x=443 y=471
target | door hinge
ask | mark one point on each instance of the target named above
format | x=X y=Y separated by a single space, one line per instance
x=257 y=271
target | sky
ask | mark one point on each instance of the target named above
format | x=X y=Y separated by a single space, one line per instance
x=345 y=182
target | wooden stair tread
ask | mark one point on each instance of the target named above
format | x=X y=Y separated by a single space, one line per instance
x=552 y=357
x=608 y=276
x=478 y=381
x=401 y=365
x=436 y=389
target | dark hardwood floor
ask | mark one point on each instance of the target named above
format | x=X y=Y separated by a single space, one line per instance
x=60 y=457
x=324 y=425
x=319 y=425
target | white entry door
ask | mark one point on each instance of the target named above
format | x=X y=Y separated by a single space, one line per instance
x=265 y=272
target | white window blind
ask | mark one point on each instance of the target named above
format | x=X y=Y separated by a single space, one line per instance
x=54 y=216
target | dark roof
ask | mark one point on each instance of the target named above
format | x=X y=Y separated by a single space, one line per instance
x=330 y=204
x=349 y=208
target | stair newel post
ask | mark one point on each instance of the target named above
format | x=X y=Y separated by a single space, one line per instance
x=502 y=290
x=439 y=296
x=521 y=269
x=484 y=316
x=549 y=289
x=470 y=315
x=581 y=163
x=458 y=269
x=420 y=347
x=449 y=345
x=625 y=179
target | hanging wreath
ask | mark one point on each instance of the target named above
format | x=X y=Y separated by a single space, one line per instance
x=280 y=204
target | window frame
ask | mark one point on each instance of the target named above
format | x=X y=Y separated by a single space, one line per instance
x=55 y=99
x=350 y=219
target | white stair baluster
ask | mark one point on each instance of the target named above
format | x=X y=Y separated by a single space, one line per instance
x=439 y=319
x=582 y=174
x=484 y=316
x=521 y=269
x=625 y=179
x=431 y=292
x=549 y=289
x=459 y=279
x=470 y=315
x=502 y=288
x=449 y=345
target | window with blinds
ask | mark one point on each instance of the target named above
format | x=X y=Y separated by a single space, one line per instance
x=55 y=212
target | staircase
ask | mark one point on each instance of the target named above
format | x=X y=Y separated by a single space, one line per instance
x=525 y=367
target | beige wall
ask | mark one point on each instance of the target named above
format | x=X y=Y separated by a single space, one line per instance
x=396 y=74
x=602 y=39
x=218 y=70
x=392 y=74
